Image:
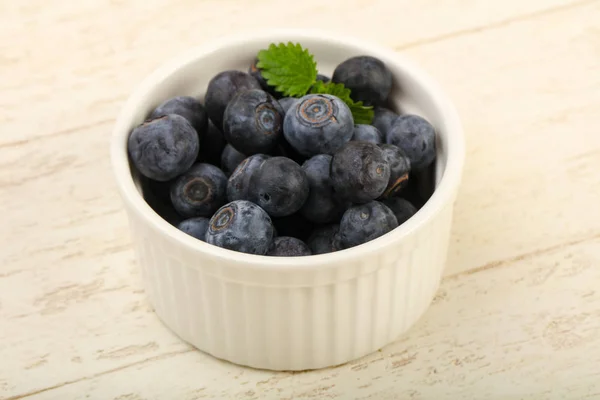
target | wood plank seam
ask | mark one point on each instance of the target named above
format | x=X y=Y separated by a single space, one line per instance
x=494 y=25
x=523 y=256
x=501 y=263
x=406 y=46
x=58 y=133
x=109 y=371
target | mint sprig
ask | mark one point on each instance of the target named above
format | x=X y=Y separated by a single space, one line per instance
x=362 y=114
x=292 y=71
x=289 y=68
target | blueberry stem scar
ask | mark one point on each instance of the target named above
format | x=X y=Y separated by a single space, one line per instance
x=223 y=219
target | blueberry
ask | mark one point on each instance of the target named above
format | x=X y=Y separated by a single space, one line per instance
x=255 y=72
x=324 y=239
x=239 y=181
x=163 y=148
x=187 y=107
x=241 y=226
x=365 y=222
x=200 y=191
x=285 y=246
x=195 y=227
x=416 y=137
x=321 y=205
x=383 y=119
x=359 y=172
x=279 y=186
x=286 y=103
x=253 y=122
x=212 y=146
x=402 y=209
x=367 y=133
x=369 y=80
x=221 y=90
x=318 y=124
x=294 y=225
x=230 y=159
x=399 y=169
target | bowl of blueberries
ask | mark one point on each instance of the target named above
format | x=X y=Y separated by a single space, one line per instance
x=289 y=194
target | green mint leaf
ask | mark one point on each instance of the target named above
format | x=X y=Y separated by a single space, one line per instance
x=334 y=89
x=291 y=69
x=361 y=114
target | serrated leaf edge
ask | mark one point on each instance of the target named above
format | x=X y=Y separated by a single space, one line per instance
x=269 y=68
x=357 y=108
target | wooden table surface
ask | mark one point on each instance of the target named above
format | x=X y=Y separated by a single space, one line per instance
x=518 y=312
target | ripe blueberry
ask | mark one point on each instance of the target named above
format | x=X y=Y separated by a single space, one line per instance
x=367 y=133
x=369 y=80
x=253 y=122
x=383 y=119
x=402 y=208
x=163 y=148
x=318 y=124
x=399 y=169
x=241 y=226
x=285 y=246
x=221 y=89
x=416 y=137
x=279 y=186
x=187 y=107
x=365 y=222
x=321 y=205
x=239 y=181
x=359 y=172
x=324 y=239
x=200 y=191
x=286 y=103
x=230 y=159
x=195 y=227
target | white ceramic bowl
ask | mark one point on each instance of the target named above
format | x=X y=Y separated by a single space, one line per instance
x=301 y=312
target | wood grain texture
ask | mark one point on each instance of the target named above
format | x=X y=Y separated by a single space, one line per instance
x=519 y=304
